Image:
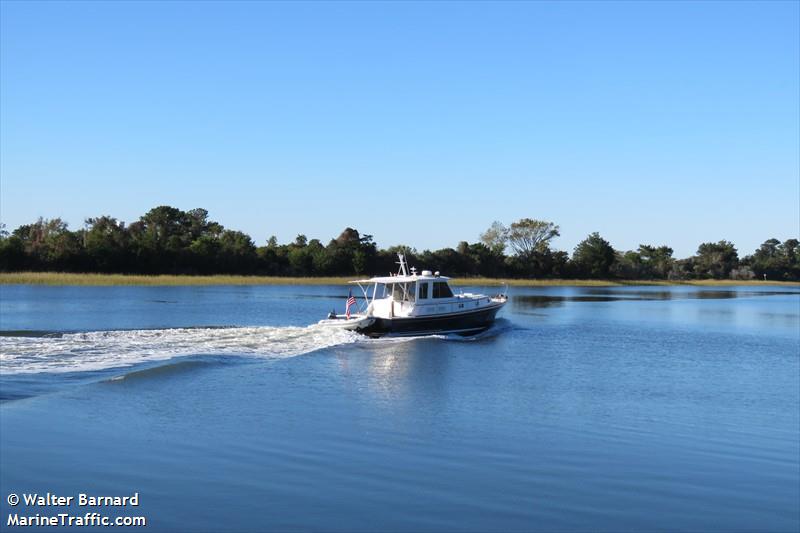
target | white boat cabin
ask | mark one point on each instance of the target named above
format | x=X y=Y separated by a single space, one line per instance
x=412 y=295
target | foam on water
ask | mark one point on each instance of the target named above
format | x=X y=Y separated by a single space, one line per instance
x=98 y=350
x=101 y=350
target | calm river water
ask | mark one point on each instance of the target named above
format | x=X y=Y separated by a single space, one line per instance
x=636 y=408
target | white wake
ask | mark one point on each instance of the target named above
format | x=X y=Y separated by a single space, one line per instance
x=98 y=350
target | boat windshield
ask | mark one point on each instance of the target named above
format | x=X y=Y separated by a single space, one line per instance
x=399 y=292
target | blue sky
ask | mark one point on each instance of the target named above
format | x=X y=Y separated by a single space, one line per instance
x=419 y=123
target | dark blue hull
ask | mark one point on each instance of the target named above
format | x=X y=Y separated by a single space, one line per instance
x=464 y=323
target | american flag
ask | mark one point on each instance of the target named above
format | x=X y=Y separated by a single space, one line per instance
x=351 y=301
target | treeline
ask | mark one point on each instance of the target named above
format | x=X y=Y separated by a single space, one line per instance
x=167 y=240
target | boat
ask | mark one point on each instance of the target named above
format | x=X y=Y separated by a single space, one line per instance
x=411 y=304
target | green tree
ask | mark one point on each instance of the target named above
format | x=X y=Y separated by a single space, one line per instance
x=351 y=253
x=593 y=257
x=648 y=262
x=530 y=241
x=106 y=244
x=12 y=252
x=299 y=256
x=197 y=224
x=165 y=223
x=487 y=261
x=629 y=265
x=527 y=236
x=320 y=262
x=237 y=252
x=159 y=239
x=682 y=269
x=791 y=249
x=715 y=260
x=658 y=260
x=50 y=245
x=776 y=260
x=206 y=251
x=495 y=237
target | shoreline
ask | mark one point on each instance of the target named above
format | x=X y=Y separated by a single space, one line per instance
x=100 y=280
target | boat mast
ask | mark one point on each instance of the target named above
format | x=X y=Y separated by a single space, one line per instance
x=403 y=266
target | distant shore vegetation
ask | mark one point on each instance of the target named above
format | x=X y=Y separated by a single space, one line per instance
x=169 y=241
x=93 y=279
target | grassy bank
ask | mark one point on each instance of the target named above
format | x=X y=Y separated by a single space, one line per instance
x=60 y=278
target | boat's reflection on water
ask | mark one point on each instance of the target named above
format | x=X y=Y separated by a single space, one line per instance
x=418 y=368
x=400 y=369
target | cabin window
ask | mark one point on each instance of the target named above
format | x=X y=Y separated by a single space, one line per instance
x=411 y=292
x=441 y=290
x=404 y=292
x=423 y=291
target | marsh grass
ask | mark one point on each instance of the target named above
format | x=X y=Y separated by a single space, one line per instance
x=614 y=282
x=63 y=278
